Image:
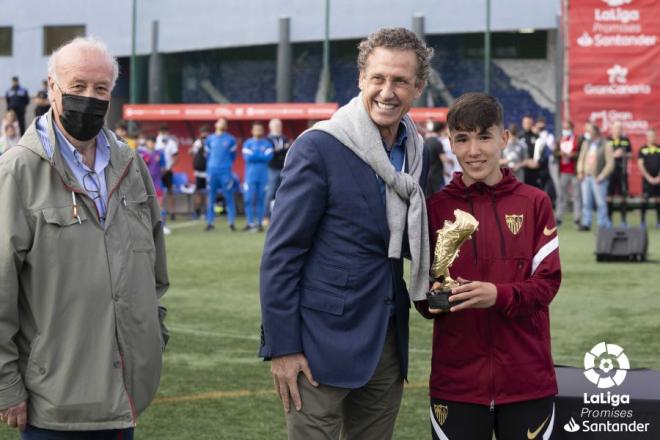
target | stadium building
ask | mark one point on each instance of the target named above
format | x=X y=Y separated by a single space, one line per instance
x=206 y=51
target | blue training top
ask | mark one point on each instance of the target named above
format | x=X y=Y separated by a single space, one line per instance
x=221 y=150
x=257 y=153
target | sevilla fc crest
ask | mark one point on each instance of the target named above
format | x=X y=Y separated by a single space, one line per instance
x=514 y=222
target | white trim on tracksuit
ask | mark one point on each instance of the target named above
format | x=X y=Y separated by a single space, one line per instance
x=546 y=250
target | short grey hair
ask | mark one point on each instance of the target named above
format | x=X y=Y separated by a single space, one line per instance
x=85 y=43
x=398 y=39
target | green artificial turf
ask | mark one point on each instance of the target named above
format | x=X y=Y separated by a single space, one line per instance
x=215 y=387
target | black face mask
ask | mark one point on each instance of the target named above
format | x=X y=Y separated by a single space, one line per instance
x=82 y=117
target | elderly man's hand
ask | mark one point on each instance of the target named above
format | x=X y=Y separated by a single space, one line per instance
x=15 y=416
x=285 y=371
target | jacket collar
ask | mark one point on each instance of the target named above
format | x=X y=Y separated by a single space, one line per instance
x=120 y=154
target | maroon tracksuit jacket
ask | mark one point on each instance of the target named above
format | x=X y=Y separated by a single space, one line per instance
x=501 y=354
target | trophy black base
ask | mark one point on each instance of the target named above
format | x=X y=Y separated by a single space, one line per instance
x=439 y=299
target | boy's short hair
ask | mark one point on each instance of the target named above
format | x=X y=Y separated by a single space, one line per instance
x=474 y=112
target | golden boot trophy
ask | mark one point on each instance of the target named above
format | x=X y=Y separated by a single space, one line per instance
x=450 y=239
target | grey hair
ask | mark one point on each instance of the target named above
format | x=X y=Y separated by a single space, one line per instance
x=84 y=43
x=399 y=39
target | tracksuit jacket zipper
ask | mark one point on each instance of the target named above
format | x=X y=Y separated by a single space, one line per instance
x=75 y=215
x=502 y=253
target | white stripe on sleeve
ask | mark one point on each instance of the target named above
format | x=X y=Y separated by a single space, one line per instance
x=546 y=250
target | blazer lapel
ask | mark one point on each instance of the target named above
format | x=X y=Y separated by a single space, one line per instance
x=367 y=181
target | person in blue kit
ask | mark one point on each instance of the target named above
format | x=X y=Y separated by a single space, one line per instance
x=257 y=152
x=221 y=153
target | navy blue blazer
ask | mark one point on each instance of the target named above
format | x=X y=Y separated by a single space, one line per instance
x=326 y=281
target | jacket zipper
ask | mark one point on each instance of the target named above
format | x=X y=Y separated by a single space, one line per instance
x=499 y=227
x=121 y=354
x=123 y=175
x=491 y=382
x=490 y=364
x=98 y=215
x=489 y=312
x=474 y=236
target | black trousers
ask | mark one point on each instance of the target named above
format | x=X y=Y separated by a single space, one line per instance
x=531 y=419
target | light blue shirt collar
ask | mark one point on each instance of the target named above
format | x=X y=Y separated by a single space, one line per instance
x=88 y=179
x=70 y=153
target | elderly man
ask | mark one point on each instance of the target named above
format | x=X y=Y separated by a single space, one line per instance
x=350 y=207
x=82 y=265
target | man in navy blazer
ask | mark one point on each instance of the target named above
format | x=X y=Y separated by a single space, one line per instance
x=334 y=303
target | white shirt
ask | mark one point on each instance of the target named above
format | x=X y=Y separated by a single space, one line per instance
x=455 y=167
x=545 y=139
x=170 y=148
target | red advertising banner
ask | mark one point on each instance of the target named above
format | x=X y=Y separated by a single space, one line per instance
x=251 y=112
x=421 y=114
x=212 y=112
x=184 y=121
x=614 y=67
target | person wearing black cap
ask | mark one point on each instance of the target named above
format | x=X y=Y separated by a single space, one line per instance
x=18 y=100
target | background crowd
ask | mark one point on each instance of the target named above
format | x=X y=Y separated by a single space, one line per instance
x=584 y=171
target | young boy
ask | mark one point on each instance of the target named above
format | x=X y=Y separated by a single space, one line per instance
x=492 y=368
x=649 y=165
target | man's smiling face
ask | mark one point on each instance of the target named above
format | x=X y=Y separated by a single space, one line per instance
x=389 y=86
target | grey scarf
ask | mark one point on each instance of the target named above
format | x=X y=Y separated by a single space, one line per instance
x=352 y=126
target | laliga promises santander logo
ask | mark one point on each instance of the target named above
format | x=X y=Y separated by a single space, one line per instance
x=606 y=365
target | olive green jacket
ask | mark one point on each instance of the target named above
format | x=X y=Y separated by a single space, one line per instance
x=81 y=325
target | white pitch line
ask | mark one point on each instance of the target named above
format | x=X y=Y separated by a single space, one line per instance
x=186 y=224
